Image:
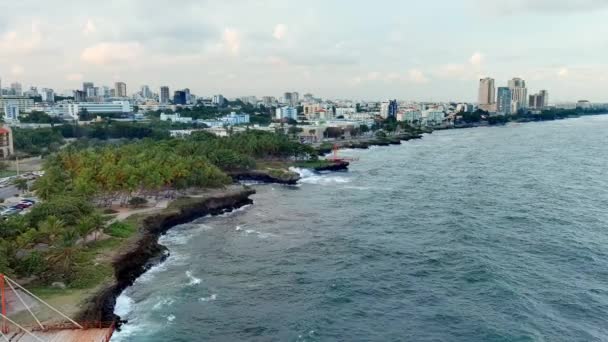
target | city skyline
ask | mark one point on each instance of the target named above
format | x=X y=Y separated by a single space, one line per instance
x=355 y=54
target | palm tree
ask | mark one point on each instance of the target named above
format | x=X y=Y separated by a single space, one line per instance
x=51 y=228
x=63 y=255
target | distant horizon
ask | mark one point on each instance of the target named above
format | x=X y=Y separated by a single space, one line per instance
x=358 y=52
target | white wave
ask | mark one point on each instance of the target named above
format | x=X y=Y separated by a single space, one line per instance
x=235 y=211
x=239 y=228
x=193 y=280
x=251 y=231
x=311 y=177
x=208 y=299
x=163 y=303
x=171 y=318
x=124 y=305
x=128 y=330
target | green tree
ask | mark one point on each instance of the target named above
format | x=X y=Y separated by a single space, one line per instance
x=21 y=184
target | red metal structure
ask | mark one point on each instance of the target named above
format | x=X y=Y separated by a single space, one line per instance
x=337 y=159
x=66 y=330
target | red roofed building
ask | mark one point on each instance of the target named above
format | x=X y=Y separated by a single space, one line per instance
x=6 y=142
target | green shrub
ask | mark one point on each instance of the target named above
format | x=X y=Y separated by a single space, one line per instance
x=120 y=230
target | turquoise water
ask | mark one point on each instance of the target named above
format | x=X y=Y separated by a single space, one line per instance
x=485 y=234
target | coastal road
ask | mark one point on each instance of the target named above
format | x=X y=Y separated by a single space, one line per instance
x=8 y=191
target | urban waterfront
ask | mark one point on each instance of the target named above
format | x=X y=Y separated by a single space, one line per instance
x=484 y=234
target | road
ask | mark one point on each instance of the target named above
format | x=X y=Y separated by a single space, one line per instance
x=8 y=191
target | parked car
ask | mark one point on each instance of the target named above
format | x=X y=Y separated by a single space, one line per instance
x=10 y=211
x=22 y=205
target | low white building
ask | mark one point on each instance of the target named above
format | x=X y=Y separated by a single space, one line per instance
x=432 y=117
x=23 y=102
x=175 y=118
x=345 y=111
x=412 y=117
x=234 y=119
x=114 y=107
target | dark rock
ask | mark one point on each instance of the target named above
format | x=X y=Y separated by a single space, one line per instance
x=144 y=251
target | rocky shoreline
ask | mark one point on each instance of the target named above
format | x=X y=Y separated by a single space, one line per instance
x=365 y=144
x=143 y=250
x=266 y=176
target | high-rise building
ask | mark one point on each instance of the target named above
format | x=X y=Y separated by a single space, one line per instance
x=269 y=101
x=179 y=97
x=545 y=95
x=86 y=86
x=538 y=101
x=503 y=103
x=48 y=95
x=79 y=96
x=389 y=109
x=291 y=99
x=187 y=91
x=16 y=89
x=164 y=95
x=487 y=94
x=218 y=100
x=146 y=93
x=121 y=89
x=519 y=93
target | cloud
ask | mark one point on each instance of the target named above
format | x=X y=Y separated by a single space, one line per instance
x=231 y=40
x=477 y=59
x=21 y=41
x=74 y=77
x=106 y=53
x=280 y=31
x=563 y=72
x=17 y=70
x=513 y=7
x=417 y=76
x=89 y=28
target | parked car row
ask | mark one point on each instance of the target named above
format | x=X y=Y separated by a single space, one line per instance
x=17 y=208
x=6 y=181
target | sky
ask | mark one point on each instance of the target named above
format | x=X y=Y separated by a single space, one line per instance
x=432 y=50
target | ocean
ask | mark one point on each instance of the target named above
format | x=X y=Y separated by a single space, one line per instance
x=482 y=234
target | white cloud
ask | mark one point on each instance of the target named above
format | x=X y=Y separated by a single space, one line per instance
x=104 y=54
x=17 y=70
x=231 y=40
x=563 y=72
x=280 y=31
x=21 y=41
x=89 y=28
x=514 y=7
x=477 y=59
x=417 y=76
x=74 y=77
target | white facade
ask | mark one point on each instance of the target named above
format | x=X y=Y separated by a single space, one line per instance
x=24 y=103
x=11 y=112
x=48 y=95
x=412 y=117
x=115 y=107
x=432 y=117
x=235 y=119
x=519 y=92
x=175 y=118
x=287 y=113
x=345 y=111
x=384 y=109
